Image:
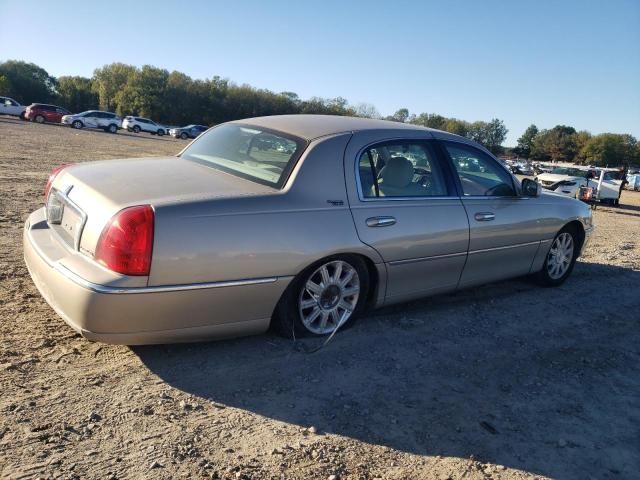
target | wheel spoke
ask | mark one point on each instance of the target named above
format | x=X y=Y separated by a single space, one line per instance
x=337 y=273
x=335 y=318
x=323 y=320
x=314 y=314
x=348 y=277
x=325 y=276
x=311 y=302
x=313 y=287
x=349 y=292
x=345 y=306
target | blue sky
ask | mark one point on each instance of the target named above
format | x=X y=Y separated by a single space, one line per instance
x=544 y=62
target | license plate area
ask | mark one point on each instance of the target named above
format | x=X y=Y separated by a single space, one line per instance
x=65 y=218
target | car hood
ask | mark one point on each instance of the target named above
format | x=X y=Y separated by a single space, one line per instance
x=554 y=177
x=156 y=181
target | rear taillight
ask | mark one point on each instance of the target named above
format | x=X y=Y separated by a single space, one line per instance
x=50 y=180
x=126 y=243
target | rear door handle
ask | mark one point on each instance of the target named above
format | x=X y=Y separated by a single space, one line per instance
x=484 y=216
x=380 y=221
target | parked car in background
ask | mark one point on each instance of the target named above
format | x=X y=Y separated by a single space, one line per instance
x=141 y=124
x=107 y=121
x=539 y=168
x=42 y=112
x=190 y=131
x=8 y=106
x=295 y=221
x=521 y=167
x=633 y=182
x=564 y=180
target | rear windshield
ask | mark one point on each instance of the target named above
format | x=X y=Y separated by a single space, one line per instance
x=259 y=155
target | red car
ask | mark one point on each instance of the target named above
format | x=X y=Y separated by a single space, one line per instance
x=41 y=112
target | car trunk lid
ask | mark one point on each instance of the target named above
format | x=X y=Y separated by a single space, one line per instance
x=93 y=192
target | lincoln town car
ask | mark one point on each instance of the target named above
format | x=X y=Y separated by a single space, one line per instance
x=297 y=222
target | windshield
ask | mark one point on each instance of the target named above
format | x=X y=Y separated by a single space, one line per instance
x=249 y=152
x=572 y=172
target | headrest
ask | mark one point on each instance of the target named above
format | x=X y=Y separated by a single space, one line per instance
x=398 y=172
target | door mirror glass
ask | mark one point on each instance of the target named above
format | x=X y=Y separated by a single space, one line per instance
x=530 y=188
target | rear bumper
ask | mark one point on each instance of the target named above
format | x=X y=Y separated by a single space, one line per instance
x=135 y=315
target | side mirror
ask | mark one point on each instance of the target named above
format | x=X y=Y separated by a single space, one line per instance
x=531 y=188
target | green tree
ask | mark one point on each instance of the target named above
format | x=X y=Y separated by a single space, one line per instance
x=366 y=110
x=558 y=144
x=582 y=138
x=525 y=142
x=458 y=127
x=109 y=82
x=431 y=120
x=143 y=93
x=401 y=115
x=495 y=135
x=5 y=86
x=27 y=82
x=76 y=93
x=611 y=150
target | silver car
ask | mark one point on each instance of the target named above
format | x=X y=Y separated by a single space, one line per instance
x=298 y=222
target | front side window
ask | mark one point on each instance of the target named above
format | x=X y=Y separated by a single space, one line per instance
x=480 y=175
x=249 y=152
x=400 y=169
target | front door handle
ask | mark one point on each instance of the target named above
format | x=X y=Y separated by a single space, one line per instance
x=380 y=221
x=484 y=216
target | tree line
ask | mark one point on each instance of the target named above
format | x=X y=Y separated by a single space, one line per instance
x=174 y=98
x=563 y=143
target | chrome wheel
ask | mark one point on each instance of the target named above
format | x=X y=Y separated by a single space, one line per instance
x=560 y=256
x=77 y=124
x=329 y=297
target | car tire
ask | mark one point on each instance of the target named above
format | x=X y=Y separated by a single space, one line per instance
x=347 y=278
x=160 y=133
x=39 y=119
x=136 y=129
x=77 y=124
x=23 y=116
x=112 y=128
x=561 y=258
x=184 y=136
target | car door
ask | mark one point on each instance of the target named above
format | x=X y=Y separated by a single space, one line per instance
x=404 y=205
x=10 y=107
x=49 y=113
x=609 y=187
x=90 y=119
x=505 y=228
x=59 y=113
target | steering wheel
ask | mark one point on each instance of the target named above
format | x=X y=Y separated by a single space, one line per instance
x=425 y=176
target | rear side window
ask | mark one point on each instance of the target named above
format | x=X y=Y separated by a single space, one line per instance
x=480 y=175
x=401 y=169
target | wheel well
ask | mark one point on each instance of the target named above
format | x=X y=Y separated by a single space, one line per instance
x=374 y=280
x=577 y=227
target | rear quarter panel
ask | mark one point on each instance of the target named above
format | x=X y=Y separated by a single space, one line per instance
x=267 y=235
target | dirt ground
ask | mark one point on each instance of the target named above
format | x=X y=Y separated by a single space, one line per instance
x=507 y=381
